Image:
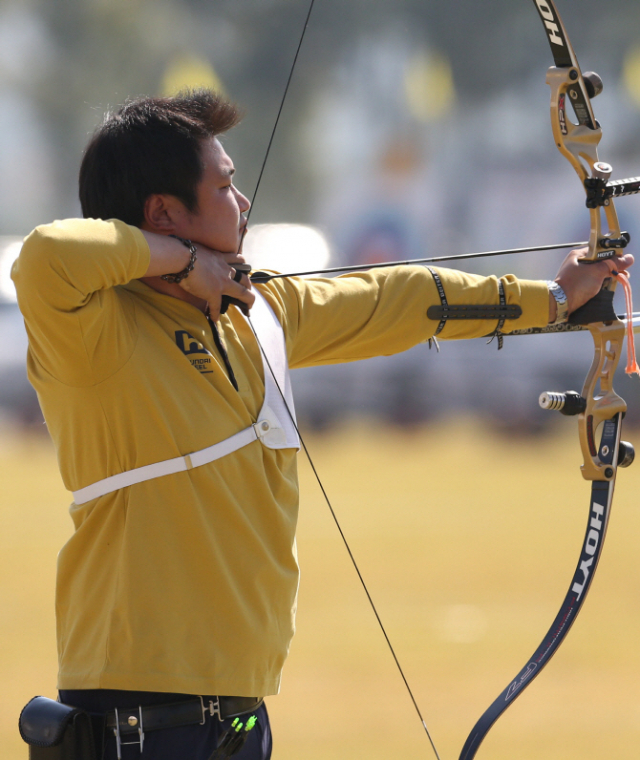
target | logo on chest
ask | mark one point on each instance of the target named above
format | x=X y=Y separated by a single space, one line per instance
x=198 y=355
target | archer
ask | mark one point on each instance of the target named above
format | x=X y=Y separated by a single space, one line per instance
x=176 y=594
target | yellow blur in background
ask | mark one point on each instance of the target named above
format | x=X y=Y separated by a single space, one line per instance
x=467 y=542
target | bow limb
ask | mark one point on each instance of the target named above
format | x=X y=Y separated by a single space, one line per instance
x=599 y=407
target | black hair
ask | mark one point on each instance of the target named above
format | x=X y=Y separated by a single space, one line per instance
x=149 y=146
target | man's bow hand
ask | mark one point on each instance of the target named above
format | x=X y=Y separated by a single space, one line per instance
x=583 y=281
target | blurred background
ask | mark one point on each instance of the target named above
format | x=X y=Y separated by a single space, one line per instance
x=411 y=129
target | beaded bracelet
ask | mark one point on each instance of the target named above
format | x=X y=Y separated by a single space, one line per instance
x=179 y=276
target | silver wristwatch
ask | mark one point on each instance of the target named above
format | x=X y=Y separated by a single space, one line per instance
x=562 y=313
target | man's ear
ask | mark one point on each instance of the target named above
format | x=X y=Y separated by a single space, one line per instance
x=162 y=214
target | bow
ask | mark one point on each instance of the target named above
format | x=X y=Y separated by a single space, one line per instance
x=599 y=408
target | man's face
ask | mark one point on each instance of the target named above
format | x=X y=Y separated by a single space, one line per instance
x=219 y=221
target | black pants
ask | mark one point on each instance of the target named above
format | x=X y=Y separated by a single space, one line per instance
x=184 y=743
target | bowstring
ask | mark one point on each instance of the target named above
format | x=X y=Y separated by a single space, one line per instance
x=293 y=420
x=344 y=540
x=284 y=97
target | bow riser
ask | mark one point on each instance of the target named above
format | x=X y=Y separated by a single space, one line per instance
x=603 y=403
x=578 y=143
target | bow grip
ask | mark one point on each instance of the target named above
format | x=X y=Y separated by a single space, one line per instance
x=598 y=309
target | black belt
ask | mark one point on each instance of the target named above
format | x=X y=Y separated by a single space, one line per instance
x=136 y=720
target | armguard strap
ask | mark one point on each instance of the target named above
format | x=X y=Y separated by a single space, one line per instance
x=445 y=311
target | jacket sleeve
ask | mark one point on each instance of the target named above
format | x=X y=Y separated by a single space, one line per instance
x=384 y=311
x=81 y=326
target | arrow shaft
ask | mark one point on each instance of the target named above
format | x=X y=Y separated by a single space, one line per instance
x=265 y=277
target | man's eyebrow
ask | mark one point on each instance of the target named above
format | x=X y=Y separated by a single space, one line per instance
x=228 y=172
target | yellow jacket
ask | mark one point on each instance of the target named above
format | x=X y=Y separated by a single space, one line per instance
x=187 y=583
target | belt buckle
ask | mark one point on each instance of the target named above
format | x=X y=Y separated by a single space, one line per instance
x=132 y=720
x=213 y=709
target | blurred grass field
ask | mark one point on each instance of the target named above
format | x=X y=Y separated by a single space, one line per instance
x=467 y=542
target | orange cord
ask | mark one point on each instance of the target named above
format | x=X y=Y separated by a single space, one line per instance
x=632 y=363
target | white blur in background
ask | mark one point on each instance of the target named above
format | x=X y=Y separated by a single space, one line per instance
x=18 y=401
x=10 y=246
x=286 y=248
